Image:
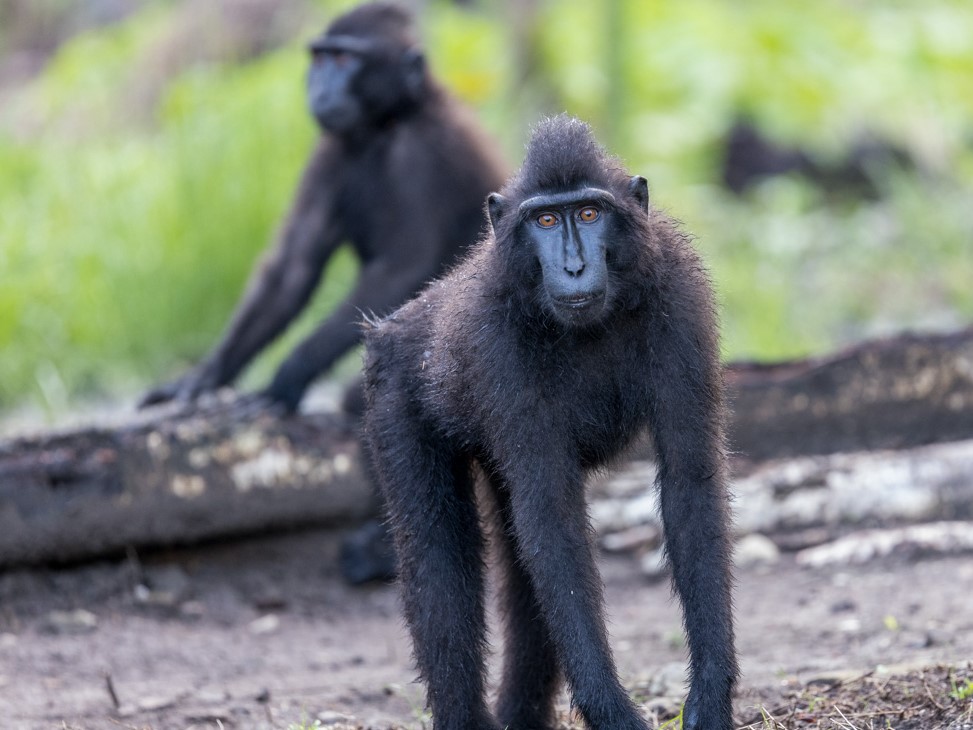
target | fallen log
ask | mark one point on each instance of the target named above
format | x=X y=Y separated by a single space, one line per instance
x=936 y=538
x=809 y=498
x=883 y=394
x=807 y=501
x=176 y=476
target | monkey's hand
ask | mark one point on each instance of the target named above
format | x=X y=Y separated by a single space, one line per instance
x=708 y=711
x=286 y=389
x=367 y=554
x=254 y=405
x=185 y=389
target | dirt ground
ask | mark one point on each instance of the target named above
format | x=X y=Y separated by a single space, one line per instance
x=263 y=634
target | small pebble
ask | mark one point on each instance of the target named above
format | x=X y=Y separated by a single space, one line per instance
x=332 y=718
x=265 y=624
x=755 y=549
x=654 y=564
x=78 y=621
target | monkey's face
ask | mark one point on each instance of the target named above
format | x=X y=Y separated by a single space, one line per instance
x=336 y=62
x=571 y=240
x=571 y=248
x=568 y=233
x=353 y=81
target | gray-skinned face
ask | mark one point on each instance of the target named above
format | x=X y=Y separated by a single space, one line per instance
x=569 y=234
x=335 y=62
x=352 y=81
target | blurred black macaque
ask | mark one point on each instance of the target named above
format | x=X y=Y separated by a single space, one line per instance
x=583 y=318
x=751 y=157
x=400 y=172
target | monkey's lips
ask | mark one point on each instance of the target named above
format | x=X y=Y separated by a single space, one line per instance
x=581 y=300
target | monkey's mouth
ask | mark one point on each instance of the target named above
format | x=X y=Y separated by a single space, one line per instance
x=581 y=300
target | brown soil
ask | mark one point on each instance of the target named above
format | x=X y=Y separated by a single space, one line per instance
x=935 y=697
x=263 y=634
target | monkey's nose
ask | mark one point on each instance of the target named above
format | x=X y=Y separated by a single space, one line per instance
x=574 y=266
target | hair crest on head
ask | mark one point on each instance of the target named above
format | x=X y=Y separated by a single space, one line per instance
x=563 y=154
x=386 y=20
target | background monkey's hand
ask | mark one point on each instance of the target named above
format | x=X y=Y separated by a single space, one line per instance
x=184 y=389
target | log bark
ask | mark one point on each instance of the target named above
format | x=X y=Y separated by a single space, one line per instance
x=176 y=476
x=810 y=500
x=884 y=394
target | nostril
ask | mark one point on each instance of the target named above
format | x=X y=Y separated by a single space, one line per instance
x=574 y=269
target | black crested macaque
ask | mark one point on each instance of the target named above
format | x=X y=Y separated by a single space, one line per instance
x=582 y=318
x=400 y=173
x=750 y=157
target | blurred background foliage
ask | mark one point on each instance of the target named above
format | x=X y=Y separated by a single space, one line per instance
x=148 y=150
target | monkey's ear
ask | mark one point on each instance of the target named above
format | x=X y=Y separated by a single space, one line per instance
x=497 y=208
x=414 y=72
x=638 y=188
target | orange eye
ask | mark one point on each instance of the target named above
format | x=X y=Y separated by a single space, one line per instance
x=588 y=215
x=547 y=220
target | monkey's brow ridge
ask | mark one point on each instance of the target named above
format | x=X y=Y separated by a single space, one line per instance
x=553 y=200
x=348 y=43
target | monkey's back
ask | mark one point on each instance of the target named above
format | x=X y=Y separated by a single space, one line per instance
x=449 y=167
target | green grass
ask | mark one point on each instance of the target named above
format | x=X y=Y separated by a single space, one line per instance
x=305 y=724
x=129 y=220
x=675 y=723
x=961 y=692
x=129 y=251
x=799 y=275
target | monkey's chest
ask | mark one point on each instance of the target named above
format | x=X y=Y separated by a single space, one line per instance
x=602 y=402
x=612 y=417
x=368 y=204
x=362 y=225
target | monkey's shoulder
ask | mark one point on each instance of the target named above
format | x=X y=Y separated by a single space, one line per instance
x=444 y=136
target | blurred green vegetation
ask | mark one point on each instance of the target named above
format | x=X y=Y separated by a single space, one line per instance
x=135 y=196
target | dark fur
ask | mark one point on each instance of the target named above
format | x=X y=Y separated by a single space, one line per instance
x=477 y=372
x=405 y=187
x=751 y=157
x=390 y=22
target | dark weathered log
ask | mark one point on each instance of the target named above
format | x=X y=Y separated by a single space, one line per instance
x=884 y=394
x=175 y=476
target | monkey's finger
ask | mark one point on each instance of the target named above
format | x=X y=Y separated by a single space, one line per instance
x=159 y=394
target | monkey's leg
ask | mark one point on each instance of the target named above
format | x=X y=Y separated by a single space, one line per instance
x=530 y=671
x=699 y=549
x=554 y=542
x=382 y=285
x=695 y=515
x=439 y=546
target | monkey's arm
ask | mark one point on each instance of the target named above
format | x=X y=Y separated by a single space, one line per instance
x=278 y=289
x=553 y=535
x=687 y=421
x=385 y=282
